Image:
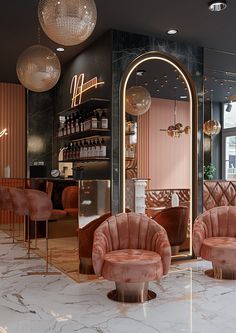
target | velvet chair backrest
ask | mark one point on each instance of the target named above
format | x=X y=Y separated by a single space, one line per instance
x=69 y=197
x=218 y=221
x=19 y=201
x=5 y=199
x=175 y=222
x=130 y=231
x=40 y=205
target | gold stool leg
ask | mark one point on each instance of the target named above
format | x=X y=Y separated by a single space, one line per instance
x=46 y=272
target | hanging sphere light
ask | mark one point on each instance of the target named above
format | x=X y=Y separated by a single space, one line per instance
x=38 y=68
x=67 y=22
x=211 y=127
x=137 y=100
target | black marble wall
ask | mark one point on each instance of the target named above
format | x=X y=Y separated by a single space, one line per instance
x=125 y=48
x=40 y=123
x=212 y=145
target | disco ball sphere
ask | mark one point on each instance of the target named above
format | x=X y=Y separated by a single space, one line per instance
x=137 y=100
x=211 y=127
x=67 y=22
x=38 y=68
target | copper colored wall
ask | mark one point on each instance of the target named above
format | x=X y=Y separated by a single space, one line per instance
x=12 y=117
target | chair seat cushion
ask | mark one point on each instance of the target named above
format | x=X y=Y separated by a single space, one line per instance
x=220 y=250
x=132 y=266
x=57 y=214
x=72 y=212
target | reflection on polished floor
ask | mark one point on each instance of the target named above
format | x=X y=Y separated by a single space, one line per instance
x=187 y=301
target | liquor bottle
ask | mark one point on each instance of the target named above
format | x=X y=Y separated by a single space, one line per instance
x=77 y=125
x=104 y=119
x=77 y=157
x=93 y=150
x=65 y=126
x=94 y=121
x=69 y=125
x=103 y=149
x=97 y=114
x=97 y=148
x=73 y=123
x=81 y=150
x=85 y=149
x=65 y=152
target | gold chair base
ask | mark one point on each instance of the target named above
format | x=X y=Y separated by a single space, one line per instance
x=131 y=293
x=86 y=266
x=221 y=273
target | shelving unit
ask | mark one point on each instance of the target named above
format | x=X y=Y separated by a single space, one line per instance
x=92 y=137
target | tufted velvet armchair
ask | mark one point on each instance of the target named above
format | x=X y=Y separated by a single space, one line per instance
x=214 y=239
x=131 y=249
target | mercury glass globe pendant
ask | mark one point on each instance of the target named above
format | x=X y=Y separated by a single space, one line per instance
x=38 y=68
x=211 y=127
x=137 y=100
x=67 y=22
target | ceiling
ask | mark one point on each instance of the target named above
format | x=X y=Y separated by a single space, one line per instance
x=195 y=24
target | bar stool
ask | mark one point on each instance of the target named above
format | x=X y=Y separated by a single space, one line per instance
x=20 y=208
x=6 y=205
x=40 y=209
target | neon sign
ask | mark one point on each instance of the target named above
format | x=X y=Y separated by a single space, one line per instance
x=3 y=132
x=78 y=87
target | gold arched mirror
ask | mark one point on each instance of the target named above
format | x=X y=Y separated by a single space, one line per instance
x=158 y=103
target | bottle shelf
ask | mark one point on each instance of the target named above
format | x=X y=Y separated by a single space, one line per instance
x=89 y=105
x=86 y=134
x=84 y=160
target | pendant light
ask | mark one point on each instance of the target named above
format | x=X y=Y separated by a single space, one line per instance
x=212 y=127
x=67 y=22
x=137 y=100
x=38 y=68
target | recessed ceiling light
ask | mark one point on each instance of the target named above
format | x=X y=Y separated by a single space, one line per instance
x=172 y=31
x=140 y=72
x=183 y=97
x=60 y=49
x=217 y=6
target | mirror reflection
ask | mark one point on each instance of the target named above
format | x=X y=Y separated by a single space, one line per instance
x=158 y=150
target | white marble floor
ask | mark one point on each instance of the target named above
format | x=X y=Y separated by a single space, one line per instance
x=187 y=301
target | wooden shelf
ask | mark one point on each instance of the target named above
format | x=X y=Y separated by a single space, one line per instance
x=89 y=105
x=86 y=134
x=84 y=160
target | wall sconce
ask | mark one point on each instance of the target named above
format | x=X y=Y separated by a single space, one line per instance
x=3 y=132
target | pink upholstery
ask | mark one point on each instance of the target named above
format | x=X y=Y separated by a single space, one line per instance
x=135 y=232
x=70 y=201
x=19 y=201
x=5 y=198
x=132 y=266
x=219 y=250
x=214 y=239
x=40 y=205
x=216 y=222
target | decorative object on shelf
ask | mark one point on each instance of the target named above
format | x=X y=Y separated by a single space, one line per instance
x=3 y=132
x=211 y=127
x=177 y=129
x=38 y=68
x=209 y=171
x=137 y=101
x=67 y=22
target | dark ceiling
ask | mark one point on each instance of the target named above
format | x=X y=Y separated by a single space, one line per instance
x=195 y=23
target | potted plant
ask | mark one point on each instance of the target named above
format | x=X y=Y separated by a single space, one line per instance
x=209 y=171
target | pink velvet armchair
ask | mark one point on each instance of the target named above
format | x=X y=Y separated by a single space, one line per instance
x=131 y=249
x=214 y=239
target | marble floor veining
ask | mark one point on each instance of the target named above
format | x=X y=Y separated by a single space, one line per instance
x=187 y=301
